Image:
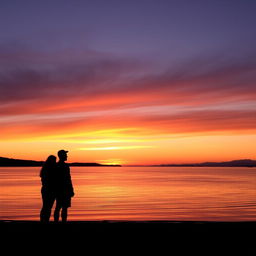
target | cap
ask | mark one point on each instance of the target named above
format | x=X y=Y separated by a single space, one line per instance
x=62 y=151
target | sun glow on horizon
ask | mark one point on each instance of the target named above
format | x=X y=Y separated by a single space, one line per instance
x=112 y=162
x=159 y=149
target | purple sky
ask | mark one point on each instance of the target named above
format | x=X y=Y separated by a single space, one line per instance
x=47 y=44
x=44 y=43
x=168 y=29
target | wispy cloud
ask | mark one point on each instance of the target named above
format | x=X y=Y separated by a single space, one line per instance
x=115 y=148
x=63 y=94
x=60 y=82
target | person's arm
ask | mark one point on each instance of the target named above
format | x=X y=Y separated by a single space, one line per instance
x=70 y=184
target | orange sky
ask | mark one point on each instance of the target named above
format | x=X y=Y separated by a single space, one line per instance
x=129 y=130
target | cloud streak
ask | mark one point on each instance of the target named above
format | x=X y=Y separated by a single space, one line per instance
x=109 y=77
x=93 y=90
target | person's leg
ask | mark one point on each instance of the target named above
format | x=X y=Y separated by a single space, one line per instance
x=64 y=214
x=48 y=201
x=57 y=211
x=42 y=215
x=43 y=210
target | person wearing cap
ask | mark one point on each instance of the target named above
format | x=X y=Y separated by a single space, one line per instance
x=64 y=187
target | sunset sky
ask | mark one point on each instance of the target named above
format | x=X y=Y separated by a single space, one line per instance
x=128 y=82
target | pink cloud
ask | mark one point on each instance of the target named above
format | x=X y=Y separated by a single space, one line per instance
x=106 y=83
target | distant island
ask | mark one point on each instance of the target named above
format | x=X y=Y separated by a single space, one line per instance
x=233 y=163
x=18 y=162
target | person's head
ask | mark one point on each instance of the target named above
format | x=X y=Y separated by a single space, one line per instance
x=49 y=164
x=51 y=160
x=62 y=154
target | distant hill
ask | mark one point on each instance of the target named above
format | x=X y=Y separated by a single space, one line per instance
x=18 y=162
x=233 y=163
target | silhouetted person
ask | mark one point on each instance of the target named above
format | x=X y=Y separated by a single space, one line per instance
x=48 y=189
x=64 y=187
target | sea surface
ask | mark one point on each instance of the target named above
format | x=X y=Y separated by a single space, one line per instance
x=138 y=193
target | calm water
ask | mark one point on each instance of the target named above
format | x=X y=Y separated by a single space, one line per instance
x=138 y=193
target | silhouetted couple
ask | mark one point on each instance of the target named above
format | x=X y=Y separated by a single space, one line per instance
x=56 y=186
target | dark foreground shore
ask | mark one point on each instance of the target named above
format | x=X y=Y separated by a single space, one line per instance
x=73 y=227
x=185 y=236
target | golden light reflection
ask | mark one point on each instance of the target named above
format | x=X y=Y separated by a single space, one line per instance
x=112 y=161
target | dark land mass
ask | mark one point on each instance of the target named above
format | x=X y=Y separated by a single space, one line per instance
x=131 y=237
x=233 y=163
x=18 y=162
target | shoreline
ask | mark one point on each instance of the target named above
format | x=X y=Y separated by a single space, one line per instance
x=18 y=225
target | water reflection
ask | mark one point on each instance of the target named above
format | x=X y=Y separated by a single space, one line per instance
x=144 y=193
